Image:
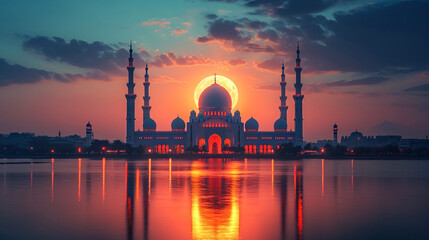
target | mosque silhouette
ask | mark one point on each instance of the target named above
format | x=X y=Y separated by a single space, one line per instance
x=214 y=127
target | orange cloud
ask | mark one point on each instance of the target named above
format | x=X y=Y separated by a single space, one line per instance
x=153 y=23
x=180 y=31
x=188 y=24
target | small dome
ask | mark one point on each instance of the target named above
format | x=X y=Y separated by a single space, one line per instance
x=88 y=124
x=178 y=124
x=193 y=113
x=280 y=125
x=252 y=125
x=356 y=134
x=236 y=113
x=335 y=125
x=216 y=98
x=149 y=125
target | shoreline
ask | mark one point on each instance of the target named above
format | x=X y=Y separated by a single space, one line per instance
x=224 y=156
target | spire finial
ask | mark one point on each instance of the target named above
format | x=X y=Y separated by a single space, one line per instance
x=298 y=59
x=215 y=78
x=283 y=66
x=130 y=59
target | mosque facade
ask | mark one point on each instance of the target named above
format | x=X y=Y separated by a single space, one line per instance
x=214 y=126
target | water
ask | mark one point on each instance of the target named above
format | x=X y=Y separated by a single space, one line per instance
x=213 y=199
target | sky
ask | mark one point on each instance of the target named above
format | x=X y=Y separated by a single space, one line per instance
x=365 y=63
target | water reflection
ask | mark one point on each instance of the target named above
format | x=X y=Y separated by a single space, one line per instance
x=52 y=179
x=209 y=199
x=215 y=206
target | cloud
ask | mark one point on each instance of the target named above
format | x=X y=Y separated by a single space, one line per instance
x=188 y=24
x=357 y=82
x=269 y=35
x=164 y=79
x=270 y=65
x=252 y=24
x=236 y=62
x=388 y=127
x=96 y=55
x=163 y=24
x=265 y=87
x=179 y=31
x=170 y=59
x=232 y=36
x=287 y=8
x=211 y=16
x=386 y=37
x=366 y=81
x=419 y=88
x=18 y=74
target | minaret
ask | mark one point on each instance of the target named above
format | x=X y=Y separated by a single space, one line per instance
x=131 y=99
x=89 y=134
x=283 y=108
x=146 y=107
x=335 y=133
x=298 y=100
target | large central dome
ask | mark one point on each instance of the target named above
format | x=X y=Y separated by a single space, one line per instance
x=215 y=98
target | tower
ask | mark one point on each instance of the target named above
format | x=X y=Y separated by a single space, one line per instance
x=283 y=108
x=298 y=100
x=89 y=134
x=335 y=133
x=131 y=99
x=146 y=107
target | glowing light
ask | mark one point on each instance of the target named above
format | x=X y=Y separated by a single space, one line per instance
x=79 y=178
x=79 y=150
x=323 y=177
x=52 y=180
x=221 y=80
x=150 y=174
x=104 y=177
x=169 y=174
x=137 y=184
x=272 y=177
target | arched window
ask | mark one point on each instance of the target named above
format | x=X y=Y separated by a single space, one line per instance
x=227 y=142
x=202 y=142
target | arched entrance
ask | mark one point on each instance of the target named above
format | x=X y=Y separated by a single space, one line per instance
x=227 y=142
x=215 y=144
x=201 y=143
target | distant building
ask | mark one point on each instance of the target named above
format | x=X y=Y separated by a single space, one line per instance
x=214 y=127
x=357 y=139
x=89 y=134
x=335 y=130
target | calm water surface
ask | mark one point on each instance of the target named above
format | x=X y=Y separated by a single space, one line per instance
x=213 y=199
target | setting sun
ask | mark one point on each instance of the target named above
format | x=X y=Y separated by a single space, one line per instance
x=221 y=80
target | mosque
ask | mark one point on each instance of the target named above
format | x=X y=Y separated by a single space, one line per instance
x=214 y=126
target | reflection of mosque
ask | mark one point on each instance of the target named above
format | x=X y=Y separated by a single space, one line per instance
x=215 y=199
x=214 y=126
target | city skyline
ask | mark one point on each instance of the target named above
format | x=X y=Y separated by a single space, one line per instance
x=59 y=76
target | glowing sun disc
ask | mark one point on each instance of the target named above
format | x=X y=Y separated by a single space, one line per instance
x=221 y=80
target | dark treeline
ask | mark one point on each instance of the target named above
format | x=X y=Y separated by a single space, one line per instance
x=45 y=147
